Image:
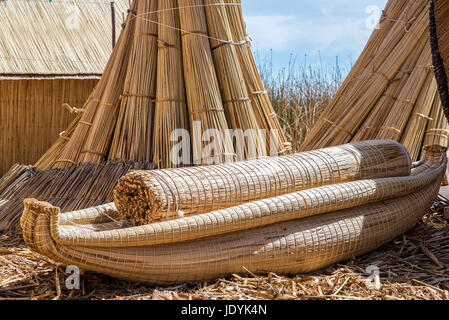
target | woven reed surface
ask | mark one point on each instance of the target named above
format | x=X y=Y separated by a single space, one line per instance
x=145 y=197
x=300 y=245
x=32 y=116
x=35 y=45
x=391 y=91
x=67 y=230
x=74 y=188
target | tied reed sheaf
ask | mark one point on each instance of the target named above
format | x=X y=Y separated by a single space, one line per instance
x=390 y=92
x=315 y=236
x=169 y=72
x=177 y=69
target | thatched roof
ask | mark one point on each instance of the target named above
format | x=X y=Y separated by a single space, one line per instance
x=42 y=39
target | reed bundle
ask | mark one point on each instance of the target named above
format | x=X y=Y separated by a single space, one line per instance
x=261 y=103
x=439 y=39
x=171 y=105
x=147 y=196
x=107 y=86
x=203 y=92
x=133 y=131
x=300 y=245
x=73 y=188
x=255 y=214
x=164 y=85
x=390 y=92
x=237 y=104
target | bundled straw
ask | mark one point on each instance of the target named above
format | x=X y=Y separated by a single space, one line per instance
x=203 y=93
x=171 y=105
x=251 y=215
x=301 y=245
x=133 y=131
x=237 y=104
x=263 y=109
x=74 y=188
x=391 y=92
x=107 y=89
x=147 y=196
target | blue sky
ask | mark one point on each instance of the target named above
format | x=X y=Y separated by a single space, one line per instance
x=326 y=28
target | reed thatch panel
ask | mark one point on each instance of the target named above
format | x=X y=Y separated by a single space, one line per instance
x=32 y=116
x=50 y=38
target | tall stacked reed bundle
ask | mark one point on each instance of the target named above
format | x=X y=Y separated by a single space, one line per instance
x=313 y=238
x=391 y=92
x=133 y=131
x=171 y=105
x=237 y=104
x=203 y=92
x=74 y=188
x=115 y=69
x=261 y=102
x=147 y=196
x=164 y=86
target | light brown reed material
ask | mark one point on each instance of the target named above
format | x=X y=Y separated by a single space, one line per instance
x=133 y=130
x=112 y=79
x=300 y=245
x=171 y=105
x=76 y=187
x=147 y=196
x=32 y=116
x=237 y=104
x=263 y=109
x=203 y=93
x=390 y=92
x=68 y=231
x=59 y=39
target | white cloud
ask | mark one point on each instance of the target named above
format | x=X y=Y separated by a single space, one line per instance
x=290 y=33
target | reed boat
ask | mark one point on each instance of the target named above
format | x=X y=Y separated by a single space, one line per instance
x=294 y=232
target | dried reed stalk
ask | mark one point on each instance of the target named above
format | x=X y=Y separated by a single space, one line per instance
x=31 y=116
x=133 y=131
x=73 y=188
x=261 y=103
x=413 y=136
x=145 y=197
x=341 y=121
x=292 y=247
x=106 y=91
x=171 y=106
x=373 y=122
x=203 y=93
x=65 y=228
x=237 y=104
x=437 y=131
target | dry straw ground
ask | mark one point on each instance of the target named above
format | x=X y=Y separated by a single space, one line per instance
x=413 y=266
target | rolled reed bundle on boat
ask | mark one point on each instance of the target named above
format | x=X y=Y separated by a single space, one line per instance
x=437 y=131
x=144 y=197
x=132 y=135
x=93 y=233
x=107 y=88
x=296 y=246
x=171 y=105
x=204 y=99
x=237 y=104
